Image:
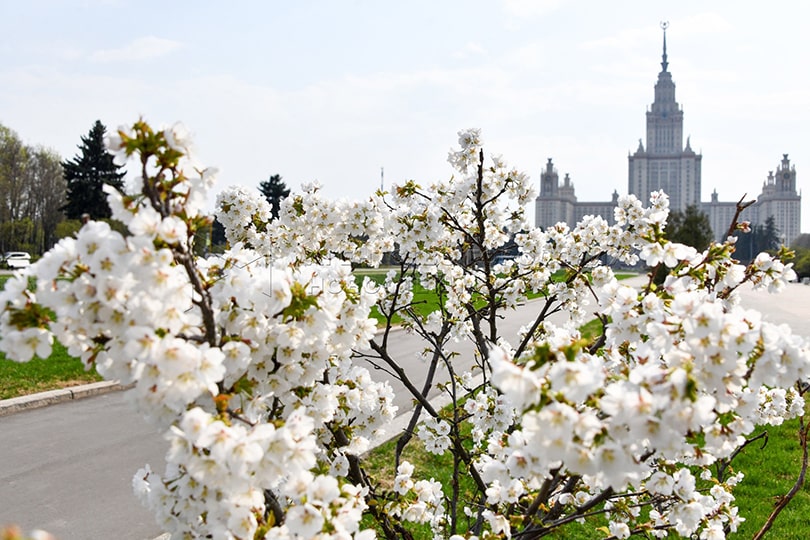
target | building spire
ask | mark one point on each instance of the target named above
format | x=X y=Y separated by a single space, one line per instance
x=664 y=63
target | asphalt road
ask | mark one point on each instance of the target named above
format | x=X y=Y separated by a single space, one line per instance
x=791 y=306
x=406 y=349
x=67 y=468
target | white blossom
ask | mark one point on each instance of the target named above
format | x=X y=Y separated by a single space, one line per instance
x=253 y=362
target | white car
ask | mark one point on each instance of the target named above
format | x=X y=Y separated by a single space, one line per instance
x=16 y=259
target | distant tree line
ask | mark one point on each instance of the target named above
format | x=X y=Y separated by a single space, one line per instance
x=763 y=237
x=692 y=228
x=32 y=191
x=801 y=259
x=43 y=198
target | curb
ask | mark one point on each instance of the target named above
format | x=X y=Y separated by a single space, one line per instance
x=52 y=397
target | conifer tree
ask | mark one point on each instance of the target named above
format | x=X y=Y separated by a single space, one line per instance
x=87 y=172
x=274 y=190
x=690 y=227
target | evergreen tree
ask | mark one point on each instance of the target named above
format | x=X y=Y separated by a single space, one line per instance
x=763 y=237
x=87 y=173
x=768 y=237
x=274 y=190
x=690 y=227
x=218 y=237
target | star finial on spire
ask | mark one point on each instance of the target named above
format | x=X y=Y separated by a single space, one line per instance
x=664 y=63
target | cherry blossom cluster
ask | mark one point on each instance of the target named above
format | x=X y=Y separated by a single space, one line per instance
x=255 y=363
x=230 y=355
x=420 y=501
x=310 y=227
x=683 y=376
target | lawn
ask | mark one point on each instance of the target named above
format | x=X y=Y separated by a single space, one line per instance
x=770 y=472
x=426 y=301
x=59 y=370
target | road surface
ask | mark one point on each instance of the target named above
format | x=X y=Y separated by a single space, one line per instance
x=68 y=468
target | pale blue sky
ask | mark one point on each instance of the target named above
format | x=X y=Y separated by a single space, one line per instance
x=331 y=91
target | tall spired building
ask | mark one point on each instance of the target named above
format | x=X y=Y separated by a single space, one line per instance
x=665 y=164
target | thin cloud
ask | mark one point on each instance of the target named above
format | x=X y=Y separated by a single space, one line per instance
x=530 y=8
x=471 y=49
x=143 y=48
x=628 y=39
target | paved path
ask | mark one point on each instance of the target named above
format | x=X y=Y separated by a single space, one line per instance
x=406 y=349
x=791 y=306
x=68 y=468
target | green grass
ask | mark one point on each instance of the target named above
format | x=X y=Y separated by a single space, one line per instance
x=5 y=277
x=770 y=473
x=59 y=370
x=424 y=301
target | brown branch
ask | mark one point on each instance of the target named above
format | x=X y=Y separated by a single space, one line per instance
x=182 y=255
x=422 y=400
x=735 y=220
x=540 y=318
x=722 y=465
x=392 y=528
x=417 y=412
x=542 y=495
x=600 y=341
x=274 y=506
x=538 y=531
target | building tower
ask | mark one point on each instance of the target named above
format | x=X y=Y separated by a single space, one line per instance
x=665 y=164
x=556 y=201
x=780 y=200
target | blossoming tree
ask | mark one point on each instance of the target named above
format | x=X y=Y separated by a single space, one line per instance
x=255 y=364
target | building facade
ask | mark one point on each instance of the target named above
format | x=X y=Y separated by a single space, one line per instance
x=780 y=200
x=665 y=163
x=558 y=202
